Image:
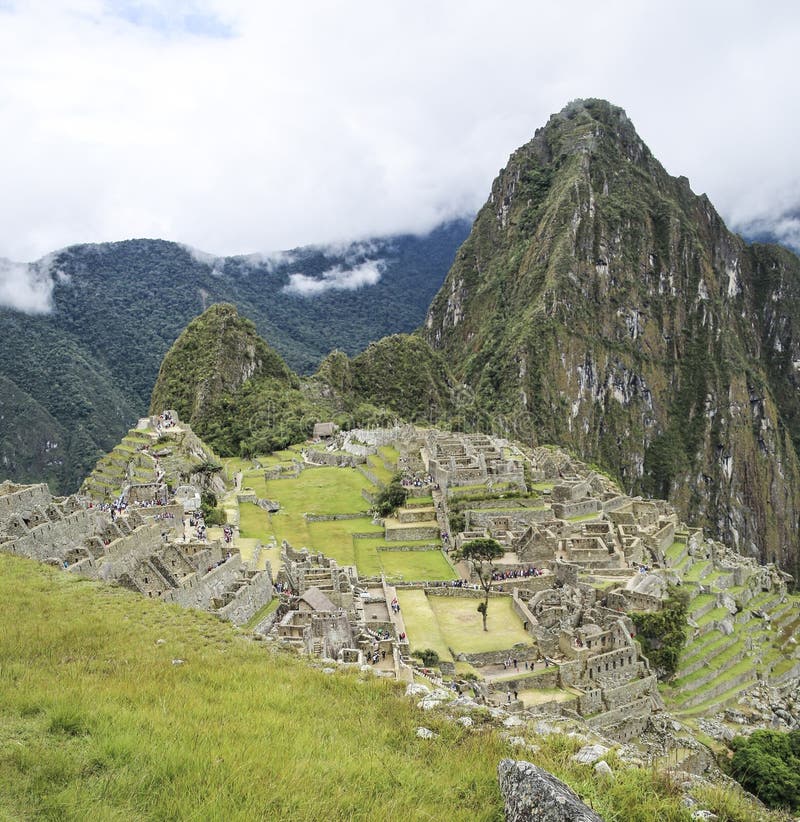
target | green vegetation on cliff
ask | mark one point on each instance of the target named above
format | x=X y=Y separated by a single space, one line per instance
x=241 y=398
x=767 y=763
x=600 y=304
x=662 y=634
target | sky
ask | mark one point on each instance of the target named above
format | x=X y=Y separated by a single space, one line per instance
x=244 y=127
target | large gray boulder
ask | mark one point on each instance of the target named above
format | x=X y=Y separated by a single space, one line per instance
x=531 y=793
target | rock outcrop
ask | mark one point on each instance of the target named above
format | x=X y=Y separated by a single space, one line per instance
x=529 y=793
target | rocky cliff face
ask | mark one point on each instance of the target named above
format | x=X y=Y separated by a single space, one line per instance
x=600 y=304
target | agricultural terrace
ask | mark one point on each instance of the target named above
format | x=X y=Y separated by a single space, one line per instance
x=353 y=540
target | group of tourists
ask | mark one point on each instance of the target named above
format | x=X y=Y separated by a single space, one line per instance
x=415 y=481
x=197 y=522
x=517 y=573
x=164 y=421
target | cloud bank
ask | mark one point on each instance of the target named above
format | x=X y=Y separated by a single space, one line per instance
x=26 y=287
x=243 y=127
x=337 y=278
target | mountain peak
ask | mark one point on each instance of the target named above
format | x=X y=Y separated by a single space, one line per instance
x=599 y=304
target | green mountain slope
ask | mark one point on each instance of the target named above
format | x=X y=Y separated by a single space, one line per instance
x=239 y=395
x=600 y=304
x=77 y=378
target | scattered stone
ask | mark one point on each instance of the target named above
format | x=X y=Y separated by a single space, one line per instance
x=328 y=670
x=178 y=661
x=602 y=768
x=426 y=733
x=725 y=626
x=517 y=741
x=415 y=689
x=531 y=793
x=466 y=721
x=716 y=730
x=589 y=754
x=706 y=815
x=161 y=642
x=513 y=722
x=428 y=704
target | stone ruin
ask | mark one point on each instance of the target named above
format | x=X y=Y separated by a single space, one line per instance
x=330 y=613
x=469 y=459
x=143 y=549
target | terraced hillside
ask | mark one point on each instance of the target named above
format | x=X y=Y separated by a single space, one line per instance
x=324 y=498
x=149 y=455
x=743 y=630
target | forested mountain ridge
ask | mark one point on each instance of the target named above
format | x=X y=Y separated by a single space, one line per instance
x=600 y=304
x=76 y=378
x=238 y=394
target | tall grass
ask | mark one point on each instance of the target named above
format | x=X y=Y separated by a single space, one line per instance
x=116 y=707
x=97 y=721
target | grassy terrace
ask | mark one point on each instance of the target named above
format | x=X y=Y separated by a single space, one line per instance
x=461 y=625
x=421 y=624
x=326 y=490
x=695 y=573
x=381 y=472
x=674 y=552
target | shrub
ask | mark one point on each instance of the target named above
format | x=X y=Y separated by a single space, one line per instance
x=767 y=763
x=211 y=514
x=429 y=657
x=663 y=634
x=392 y=497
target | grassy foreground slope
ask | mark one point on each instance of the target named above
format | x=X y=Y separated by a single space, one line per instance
x=97 y=721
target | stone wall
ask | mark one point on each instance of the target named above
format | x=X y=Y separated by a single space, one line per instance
x=411 y=534
x=530 y=584
x=198 y=591
x=565 y=510
x=624 y=723
x=370 y=476
x=614 y=698
x=334 y=458
x=20 y=499
x=332 y=517
x=518 y=652
x=434 y=590
x=521 y=610
x=257 y=593
x=518 y=518
x=590 y=702
x=53 y=539
x=124 y=554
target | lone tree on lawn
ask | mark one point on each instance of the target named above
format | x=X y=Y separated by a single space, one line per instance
x=481 y=554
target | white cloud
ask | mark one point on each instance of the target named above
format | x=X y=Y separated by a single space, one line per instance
x=337 y=278
x=243 y=127
x=26 y=287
